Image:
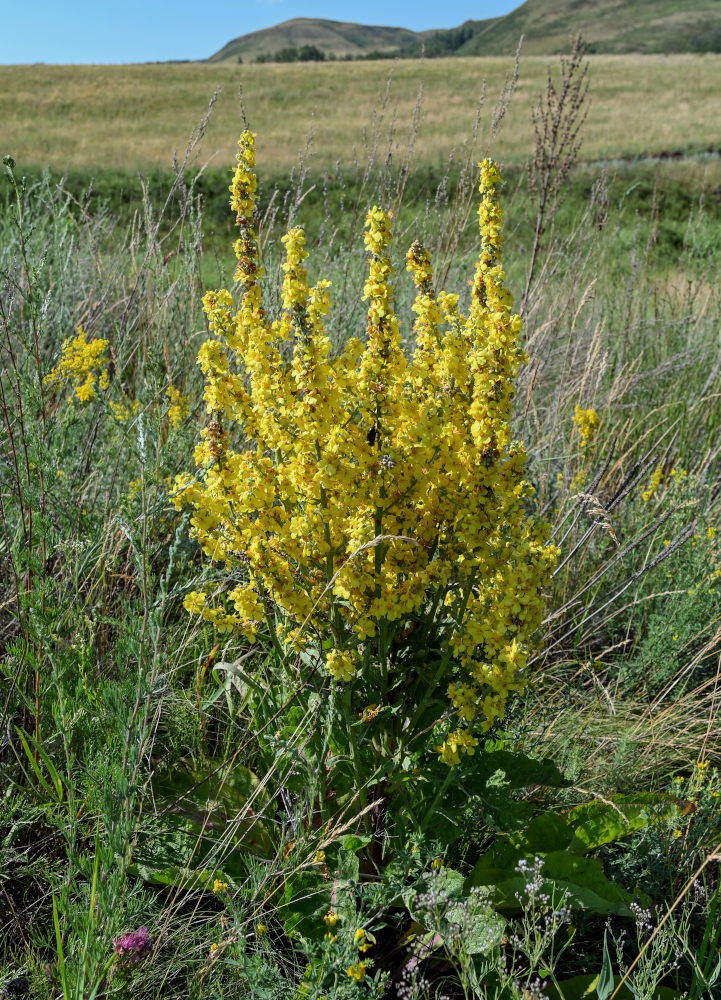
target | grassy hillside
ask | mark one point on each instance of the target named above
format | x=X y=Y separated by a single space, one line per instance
x=608 y=26
x=134 y=117
x=335 y=38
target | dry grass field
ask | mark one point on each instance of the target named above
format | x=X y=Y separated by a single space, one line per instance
x=135 y=116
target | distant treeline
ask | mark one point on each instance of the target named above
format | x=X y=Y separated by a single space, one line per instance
x=306 y=53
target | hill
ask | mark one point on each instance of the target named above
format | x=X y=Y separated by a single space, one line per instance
x=334 y=38
x=612 y=26
x=609 y=26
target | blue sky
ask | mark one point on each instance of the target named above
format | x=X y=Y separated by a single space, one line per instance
x=90 y=31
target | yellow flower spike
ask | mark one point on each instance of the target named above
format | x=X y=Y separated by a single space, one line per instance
x=242 y=202
x=654 y=483
x=340 y=449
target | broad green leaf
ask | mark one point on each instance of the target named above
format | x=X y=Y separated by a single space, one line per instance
x=209 y=820
x=306 y=899
x=596 y=823
x=483 y=932
x=582 y=879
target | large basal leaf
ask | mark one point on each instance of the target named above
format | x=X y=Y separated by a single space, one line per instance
x=208 y=820
x=561 y=840
x=521 y=771
x=586 y=988
x=582 y=829
x=597 y=823
x=581 y=879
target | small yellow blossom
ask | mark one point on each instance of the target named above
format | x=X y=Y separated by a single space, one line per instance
x=261 y=929
x=319 y=857
x=194 y=602
x=437 y=863
x=219 y=886
x=331 y=918
x=125 y=410
x=213 y=948
x=578 y=481
x=454 y=744
x=357 y=971
x=363 y=939
x=340 y=664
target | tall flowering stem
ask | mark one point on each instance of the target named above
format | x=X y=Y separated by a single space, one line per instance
x=373 y=504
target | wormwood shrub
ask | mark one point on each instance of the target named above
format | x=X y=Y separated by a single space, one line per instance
x=372 y=524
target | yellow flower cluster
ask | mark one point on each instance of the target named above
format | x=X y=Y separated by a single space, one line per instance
x=82 y=363
x=374 y=483
x=179 y=406
x=125 y=410
x=587 y=422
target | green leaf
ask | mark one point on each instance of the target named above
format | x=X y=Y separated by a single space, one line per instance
x=521 y=770
x=355 y=843
x=604 y=987
x=25 y=739
x=597 y=823
x=61 y=954
x=582 y=879
x=585 y=988
x=209 y=820
x=483 y=930
x=306 y=900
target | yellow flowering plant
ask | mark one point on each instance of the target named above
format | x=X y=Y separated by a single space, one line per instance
x=83 y=364
x=369 y=509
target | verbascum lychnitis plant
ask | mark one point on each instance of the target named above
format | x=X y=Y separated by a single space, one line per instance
x=368 y=508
